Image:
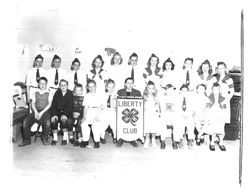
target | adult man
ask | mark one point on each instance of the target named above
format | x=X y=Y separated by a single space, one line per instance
x=128 y=91
x=40 y=104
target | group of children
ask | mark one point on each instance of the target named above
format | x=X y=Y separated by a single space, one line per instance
x=189 y=103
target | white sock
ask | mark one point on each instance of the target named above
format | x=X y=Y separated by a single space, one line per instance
x=65 y=135
x=55 y=136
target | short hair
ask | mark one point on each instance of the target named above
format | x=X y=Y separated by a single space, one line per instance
x=203 y=85
x=149 y=60
x=184 y=86
x=216 y=84
x=97 y=57
x=91 y=81
x=54 y=58
x=112 y=62
x=129 y=78
x=168 y=61
x=110 y=81
x=43 y=78
x=200 y=71
x=38 y=57
x=78 y=85
x=132 y=55
x=63 y=80
x=187 y=59
x=74 y=61
x=168 y=86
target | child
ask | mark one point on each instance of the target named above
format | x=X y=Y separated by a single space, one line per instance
x=76 y=119
x=215 y=117
x=185 y=121
x=152 y=114
x=91 y=117
x=168 y=113
x=61 y=111
x=108 y=114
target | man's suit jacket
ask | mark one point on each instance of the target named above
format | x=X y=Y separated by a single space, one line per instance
x=134 y=93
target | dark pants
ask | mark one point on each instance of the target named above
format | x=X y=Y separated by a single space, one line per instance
x=78 y=128
x=63 y=124
x=30 y=120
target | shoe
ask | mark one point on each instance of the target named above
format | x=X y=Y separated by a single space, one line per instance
x=119 y=143
x=134 y=144
x=24 y=143
x=212 y=147
x=64 y=142
x=53 y=143
x=180 y=144
x=96 y=144
x=175 y=145
x=77 y=143
x=163 y=145
x=139 y=140
x=103 y=141
x=45 y=141
x=114 y=141
x=146 y=143
x=72 y=141
x=84 y=144
x=190 y=144
x=198 y=142
x=222 y=147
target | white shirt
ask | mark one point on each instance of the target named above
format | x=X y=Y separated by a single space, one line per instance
x=169 y=77
x=31 y=76
x=118 y=74
x=193 y=78
x=62 y=74
x=81 y=79
x=99 y=79
x=93 y=100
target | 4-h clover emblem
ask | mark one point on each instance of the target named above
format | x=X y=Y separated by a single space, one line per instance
x=130 y=116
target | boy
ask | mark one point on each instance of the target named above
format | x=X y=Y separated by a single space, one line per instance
x=91 y=116
x=61 y=111
x=40 y=105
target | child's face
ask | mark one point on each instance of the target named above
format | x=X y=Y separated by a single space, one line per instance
x=117 y=59
x=216 y=90
x=42 y=84
x=153 y=61
x=169 y=91
x=151 y=89
x=63 y=86
x=168 y=66
x=98 y=63
x=184 y=92
x=111 y=87
x=133 y=61
x=129 y=84
x=188 y=64
x=38 y=63
x=78 y=91
x=92 y=87
x=76 y=66
x=205 y=68
x=57 y=63
x=221 y=69
x=201 y=90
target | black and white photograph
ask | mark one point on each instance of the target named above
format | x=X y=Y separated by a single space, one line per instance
x=126 y=98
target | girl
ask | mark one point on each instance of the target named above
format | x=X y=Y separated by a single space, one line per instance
x=215 y=117
x=205 y=76
x=152 y=71
x=98 y=74
x=168 y=74
x=152 y=114
x=76 y=76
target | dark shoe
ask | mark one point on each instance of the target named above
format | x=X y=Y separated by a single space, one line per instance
x=53 y=143
x=175 y=145
x=222 y=147
x=139 y=140
x=198 y=142
x=84 y=144
x=72 y=141
x=103 y=141
x=64 y=142
x=77 y=143
x=24 y=143
x=212 y=147
x=163 y=145
x=96 y=144
x=119 y=143
x=45 y=141
x=114 y=141
x=180 y=144
x=134 y=144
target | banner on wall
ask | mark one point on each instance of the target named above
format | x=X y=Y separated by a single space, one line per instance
x=130 y=118
x=47 y=50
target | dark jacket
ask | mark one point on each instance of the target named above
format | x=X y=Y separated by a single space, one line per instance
x=134 y=93
x=62 y=105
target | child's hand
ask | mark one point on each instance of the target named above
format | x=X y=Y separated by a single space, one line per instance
x=64 y=118
x=54 y=118
x=76 y=114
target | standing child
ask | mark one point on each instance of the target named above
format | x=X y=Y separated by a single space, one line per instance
x=91 y=117
x=76 y=119
x=61 y=111
x=216 y=117
x=152 y=114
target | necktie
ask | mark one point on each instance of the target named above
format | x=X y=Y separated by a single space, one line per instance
x=56 y=77
x=184 y=106
x=108 y=102
x=187 y=78
x=75 y=78
x=133 y=74
x=37 y=75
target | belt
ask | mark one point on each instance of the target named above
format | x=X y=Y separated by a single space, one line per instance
x=92 y=107
x=33 y=86
x=53 y=88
